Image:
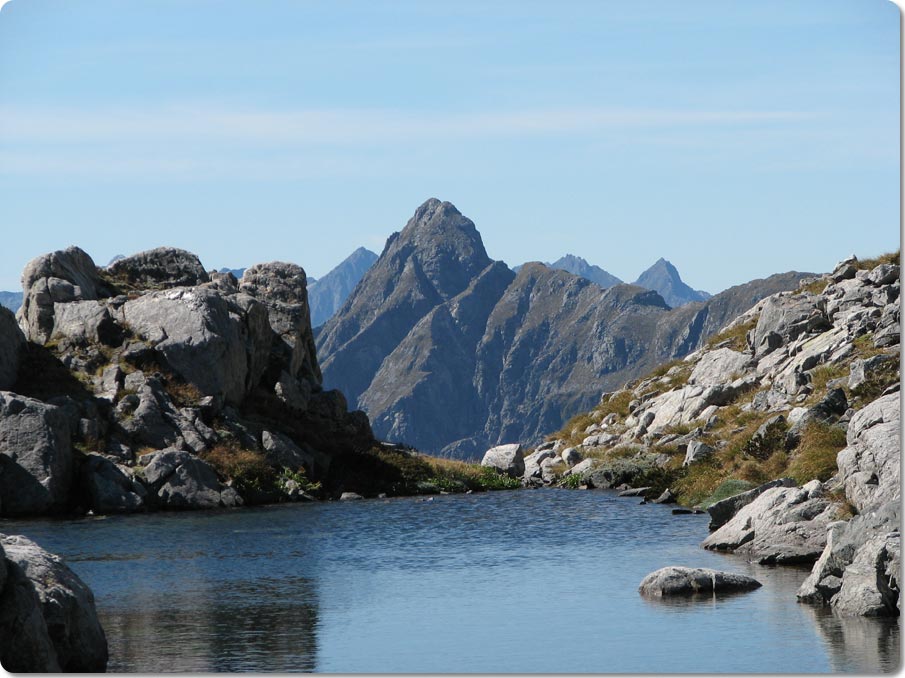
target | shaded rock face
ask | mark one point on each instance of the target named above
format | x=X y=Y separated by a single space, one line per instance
x=163 y=267
x=191 y=370
x=328 y=294
x=35 y=456
x=665 y=280
x=686 y=581
x=11 y=341
x=453 y=353
x=48 y=620
x=180 y=480
x=282 y=288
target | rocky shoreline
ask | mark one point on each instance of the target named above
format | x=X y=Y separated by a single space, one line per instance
x=785 y=428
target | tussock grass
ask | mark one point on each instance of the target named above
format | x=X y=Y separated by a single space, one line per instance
x=736 y=335
x=867 y=264
x=815 y=456
x=248 y=469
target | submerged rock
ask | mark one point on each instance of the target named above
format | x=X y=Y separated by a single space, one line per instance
x=684 y=581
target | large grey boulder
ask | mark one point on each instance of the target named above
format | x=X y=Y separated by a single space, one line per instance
x=160 y=268
x=180 y=480
x=85 y=322
x=212 y=343
x=25 y=645
x=721 y=512
x=35 y=456
x=719 y=367
x=11 y=341
x=784 y=318
x=506 y=459
x=869 y=465
x=534 y=460
x=59 y=277
x=781 y=526
x=685 y=581
x=67 y=606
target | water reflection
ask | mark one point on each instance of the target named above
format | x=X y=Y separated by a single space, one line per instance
x=251 y=625
x=858 y=644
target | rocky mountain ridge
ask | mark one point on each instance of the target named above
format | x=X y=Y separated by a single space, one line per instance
x=452 y=352
x=785 y=427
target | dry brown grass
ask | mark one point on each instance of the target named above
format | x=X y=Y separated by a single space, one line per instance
x=815 y=455
x=247 y=468
x=888 y=258
x=736 y=335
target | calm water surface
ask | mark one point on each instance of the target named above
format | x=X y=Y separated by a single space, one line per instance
x=530 y=581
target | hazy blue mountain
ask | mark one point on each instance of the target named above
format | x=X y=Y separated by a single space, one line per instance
x=12 y=300
x=580 y=267
x=327 y=294
x=664 y=279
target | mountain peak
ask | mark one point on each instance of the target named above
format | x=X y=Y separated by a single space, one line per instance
x=664 y=278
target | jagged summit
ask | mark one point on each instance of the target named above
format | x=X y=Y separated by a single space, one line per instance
x=664 y=278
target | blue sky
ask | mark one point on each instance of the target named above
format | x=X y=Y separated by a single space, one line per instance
x=735 y=138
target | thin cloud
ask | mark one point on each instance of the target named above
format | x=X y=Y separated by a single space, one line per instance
x=352 y=126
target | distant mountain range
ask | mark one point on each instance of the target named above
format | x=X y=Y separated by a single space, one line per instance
x=662 y=278
x=451 y=352
x=11 y=300
x=327 y=294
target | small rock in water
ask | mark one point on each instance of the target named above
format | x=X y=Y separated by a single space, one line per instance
x=634 y=492
x=349 y=496
x=676 y=580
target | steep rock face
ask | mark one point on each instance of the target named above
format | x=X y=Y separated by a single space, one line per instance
x=35 y=456
x=869 y=465
x=11 y=341
x=329 y=293
x=580 y=267
x=411 y=396
x=434 y=258
x=453 y=364
x=664 y=279
x=282 y=288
